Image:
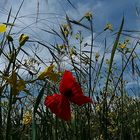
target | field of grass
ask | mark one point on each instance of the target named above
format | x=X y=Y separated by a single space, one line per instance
x=101 y=67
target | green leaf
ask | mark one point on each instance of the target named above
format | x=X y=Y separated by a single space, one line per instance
x=113 y=52
x=39 y=97
x=38 y=100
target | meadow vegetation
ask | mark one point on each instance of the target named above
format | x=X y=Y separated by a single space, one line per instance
x=103 y=65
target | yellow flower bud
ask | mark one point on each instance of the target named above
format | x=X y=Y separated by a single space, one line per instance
x=22 y=39
x=97 y=55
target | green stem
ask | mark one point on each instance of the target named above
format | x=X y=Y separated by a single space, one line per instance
x=8 y=126
x=122 y=97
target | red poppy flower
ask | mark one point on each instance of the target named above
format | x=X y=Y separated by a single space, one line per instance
x=70 y=91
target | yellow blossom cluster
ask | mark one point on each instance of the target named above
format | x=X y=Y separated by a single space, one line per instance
x=88 y=16
x=49 y=72
x=124 y=44
x=108 y=27
x=27 y=118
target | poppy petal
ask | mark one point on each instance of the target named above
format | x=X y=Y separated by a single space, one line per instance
x=69 y=85
x=76 y=89
x=77 y=96
x=80 y=99
x=59 y=105
x=66 y=82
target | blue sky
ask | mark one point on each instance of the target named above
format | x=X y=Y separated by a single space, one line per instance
x=53 y=14
x=103 y=10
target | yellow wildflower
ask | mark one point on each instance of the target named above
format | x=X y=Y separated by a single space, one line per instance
x=2 y=28
x=17 y=84
x=107 y=61
x=124 y=44
x=88 y=16
x=65 y=30
x=98 y=108
x=126 y=41
x=20 y=85
x=72 y=52
x=27 y=118
x=108 y=27
x=50 y=73
x=97 y=55
x=46 y=72
x=61 y=47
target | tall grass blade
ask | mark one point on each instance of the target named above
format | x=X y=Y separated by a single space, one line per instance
x=113 y=53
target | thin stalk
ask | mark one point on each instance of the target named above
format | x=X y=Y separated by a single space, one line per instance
x=122 y=97
x=90 y=57
x=8 y=126
x=1 y=127
x=56 y=128
x=98 y=71
x=90 y=78
x=12 y=60
x=80 y=56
